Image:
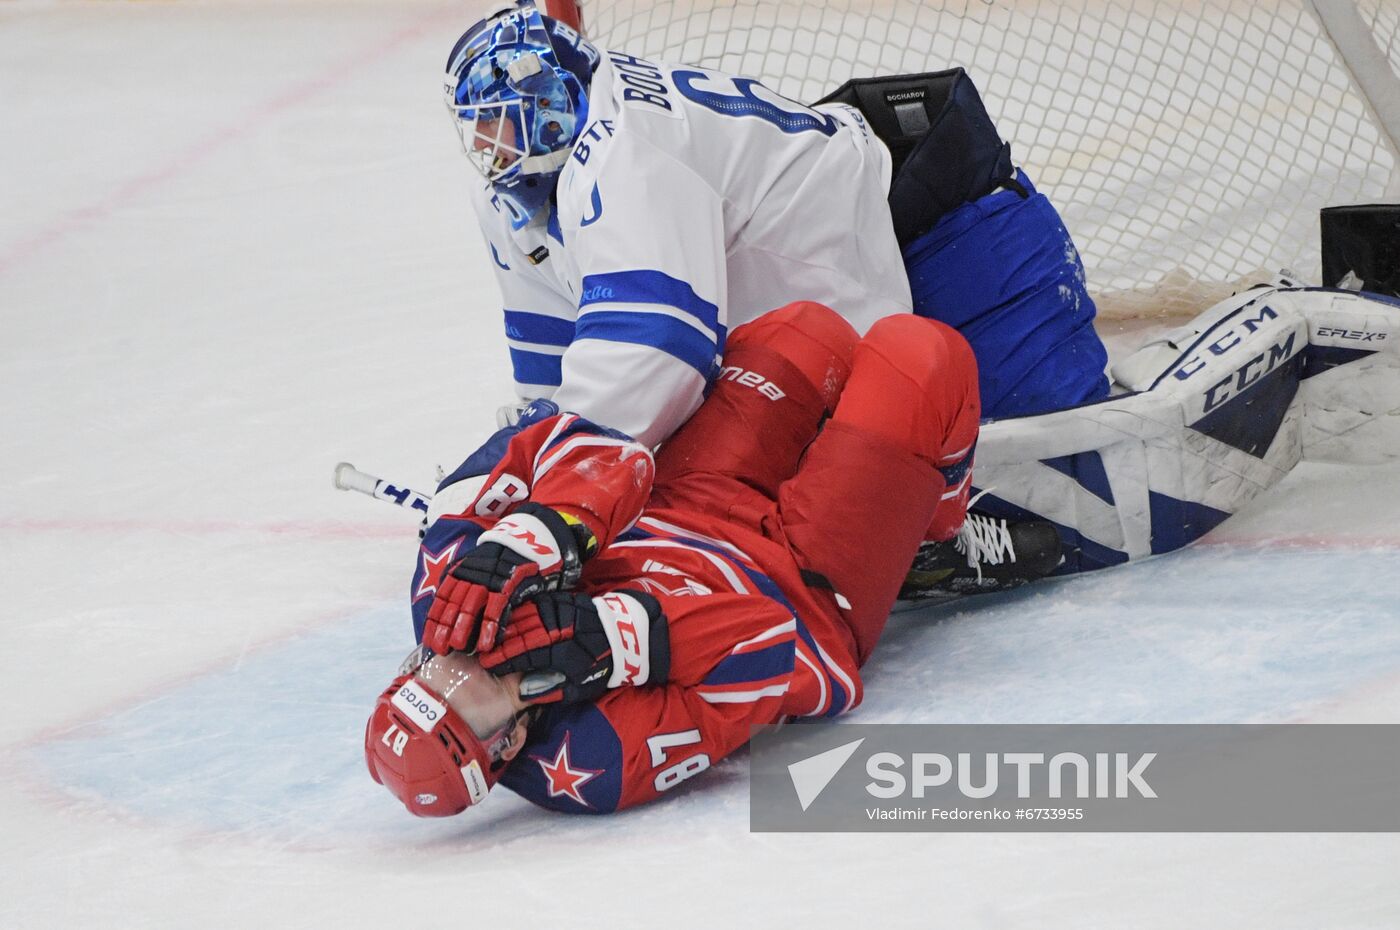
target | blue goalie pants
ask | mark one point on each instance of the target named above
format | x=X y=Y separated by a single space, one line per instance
x=1003 y=271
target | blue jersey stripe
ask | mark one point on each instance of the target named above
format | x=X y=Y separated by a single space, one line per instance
x=838 y=692
x=778 y=659
x=657 y=330
x=768 y=588
x=652 y=287
x=538 y=328
x=536 y=367
x=954 y=473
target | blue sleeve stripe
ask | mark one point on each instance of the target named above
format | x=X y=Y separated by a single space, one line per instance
x=656 y=330
x=839 y=698
x=536 y=367
x=761 y=665
x=952 y=474
x=651 y=287
x=538 y=328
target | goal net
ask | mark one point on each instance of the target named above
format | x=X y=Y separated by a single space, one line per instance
x=1188 y=144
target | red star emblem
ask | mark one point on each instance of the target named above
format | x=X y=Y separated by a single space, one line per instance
x=565 y=780
x=433 y=567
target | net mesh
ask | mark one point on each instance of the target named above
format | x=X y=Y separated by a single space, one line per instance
x=1384 y=19
x=1187 y=143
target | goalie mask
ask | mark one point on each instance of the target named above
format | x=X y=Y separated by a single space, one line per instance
x=517 y=86
x=442 y=733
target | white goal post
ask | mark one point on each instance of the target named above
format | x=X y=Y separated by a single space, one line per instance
x=1189 y=144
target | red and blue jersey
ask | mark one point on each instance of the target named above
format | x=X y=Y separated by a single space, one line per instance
x=751 y=643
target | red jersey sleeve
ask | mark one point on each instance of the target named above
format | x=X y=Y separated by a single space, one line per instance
x=564 y=462
x=567 y=463
x=732 y=661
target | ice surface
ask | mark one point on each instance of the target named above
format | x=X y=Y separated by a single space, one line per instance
x=235 y=248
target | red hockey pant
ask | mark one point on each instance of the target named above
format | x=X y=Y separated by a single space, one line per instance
x=852 y=498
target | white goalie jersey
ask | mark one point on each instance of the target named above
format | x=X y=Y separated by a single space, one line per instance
x=693 y=202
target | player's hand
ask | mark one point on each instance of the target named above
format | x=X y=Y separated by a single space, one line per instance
x=529 y=551
x=572 y=647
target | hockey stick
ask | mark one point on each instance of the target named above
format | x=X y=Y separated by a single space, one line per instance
x=350 y=478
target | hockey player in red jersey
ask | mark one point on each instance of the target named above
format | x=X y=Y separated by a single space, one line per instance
x=607 y=625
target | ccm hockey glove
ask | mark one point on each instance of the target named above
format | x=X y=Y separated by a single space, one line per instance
x=572 y=647
x=529 y=551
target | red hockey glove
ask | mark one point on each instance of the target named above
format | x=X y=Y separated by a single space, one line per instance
x=529 y=551
x=573 y=647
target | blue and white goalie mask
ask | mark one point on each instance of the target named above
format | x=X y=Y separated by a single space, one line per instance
x=517 y=87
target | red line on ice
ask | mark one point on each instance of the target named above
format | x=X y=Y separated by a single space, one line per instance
x=303 y=529
x=134 y=188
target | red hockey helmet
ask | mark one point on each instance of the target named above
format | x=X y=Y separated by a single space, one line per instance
x=438 y=734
